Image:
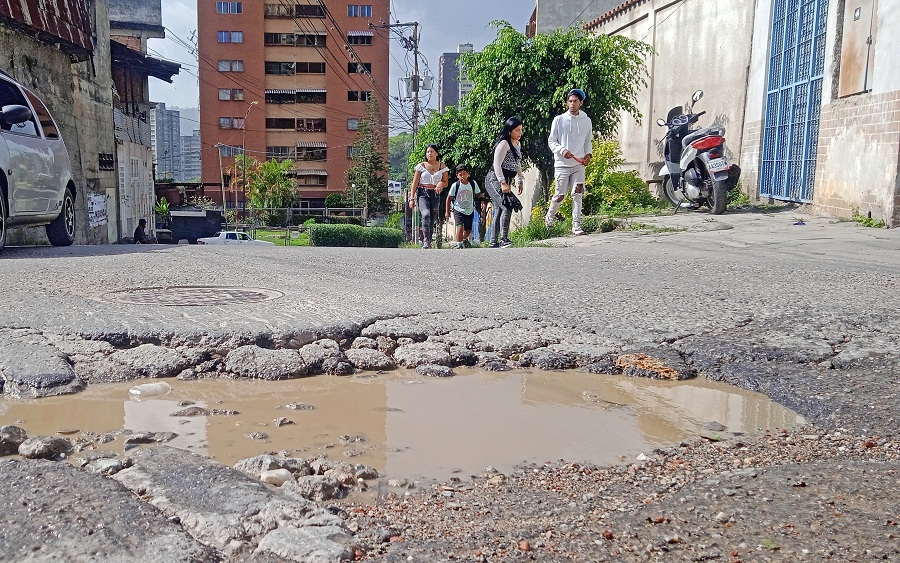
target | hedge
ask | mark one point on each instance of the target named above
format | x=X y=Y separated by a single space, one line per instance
x=354 y=235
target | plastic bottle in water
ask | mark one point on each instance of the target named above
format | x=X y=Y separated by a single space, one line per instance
x=147 y=390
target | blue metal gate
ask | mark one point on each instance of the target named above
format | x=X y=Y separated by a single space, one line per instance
x=793 y=99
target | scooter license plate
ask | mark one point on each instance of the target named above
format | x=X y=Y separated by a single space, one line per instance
x=717 y=165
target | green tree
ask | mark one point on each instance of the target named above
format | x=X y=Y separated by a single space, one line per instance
x=518 y=75
x=399 y=147
x=369 y=163
x=269 y=185
x=335 y=200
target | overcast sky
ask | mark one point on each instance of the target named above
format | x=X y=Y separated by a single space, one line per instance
x=444 y=25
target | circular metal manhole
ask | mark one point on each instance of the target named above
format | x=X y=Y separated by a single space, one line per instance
x=193 y=296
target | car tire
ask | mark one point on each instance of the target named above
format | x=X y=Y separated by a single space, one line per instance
x=61 y=232
x=2 y=220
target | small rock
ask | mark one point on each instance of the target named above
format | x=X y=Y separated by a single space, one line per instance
x=277 y=477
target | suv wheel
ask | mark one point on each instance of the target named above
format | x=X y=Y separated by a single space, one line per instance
x=61 y=231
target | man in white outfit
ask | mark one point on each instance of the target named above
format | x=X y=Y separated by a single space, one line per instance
x=570 y=140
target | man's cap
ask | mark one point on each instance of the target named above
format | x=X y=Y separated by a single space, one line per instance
x=577 y=92
x=461 y=167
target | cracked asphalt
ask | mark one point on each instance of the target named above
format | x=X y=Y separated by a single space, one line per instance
x=799 y=307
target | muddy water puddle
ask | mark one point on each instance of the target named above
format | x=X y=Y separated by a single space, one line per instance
x=414 y=427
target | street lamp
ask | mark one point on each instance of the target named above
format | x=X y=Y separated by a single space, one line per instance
x=244 y=159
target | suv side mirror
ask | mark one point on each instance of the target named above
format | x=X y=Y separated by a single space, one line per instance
x=14 y=114
x=661 y=122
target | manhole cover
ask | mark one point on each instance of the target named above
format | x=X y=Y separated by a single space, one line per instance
x=193 y=296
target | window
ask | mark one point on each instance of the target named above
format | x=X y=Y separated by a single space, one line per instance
x=231 y=123
x=359 y=10
x=359 y=39
x=359 y=68
x=352 y=124
x=311 y=97
x=236 y=94
x=231 y=66
x=305 y=11
x=9 y=95
x=280 y=68
x=312 y=154
x=311 y=125
x=310 y=68
x=277 y=11
x=350 y=151
x=231 y=37
x=279 y=153
x=310 y=179
x=280 y=123
x=229 y=7
x=43 y=117
x=358 y=95
x=229 y=150
x=279 y=38
x=311 y=40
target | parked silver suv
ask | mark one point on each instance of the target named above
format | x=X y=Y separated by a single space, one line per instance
x=36 y=186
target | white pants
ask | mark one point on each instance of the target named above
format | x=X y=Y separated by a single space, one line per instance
x=568 y=178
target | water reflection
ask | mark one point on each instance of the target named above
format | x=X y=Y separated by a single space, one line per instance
x=417 y=427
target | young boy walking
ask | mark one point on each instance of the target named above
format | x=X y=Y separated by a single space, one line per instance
x=461 y=200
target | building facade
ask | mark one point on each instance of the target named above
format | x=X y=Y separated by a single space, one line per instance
x=289 y=80
x=452 y=82
x=165 y=134
x=809 y=103
x=190 y=157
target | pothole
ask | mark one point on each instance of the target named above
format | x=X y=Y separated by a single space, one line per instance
x=192 y=296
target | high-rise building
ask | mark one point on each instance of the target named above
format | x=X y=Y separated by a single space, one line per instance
x=165 y=137
x=452 y=82
x=289 y=79
x=190 y=157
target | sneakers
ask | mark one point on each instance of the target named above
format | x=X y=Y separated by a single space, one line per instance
x=505 y=244
x=426 y=245
x=576 y=230
x=459 y=246
x=549 y=222
x=494 y=245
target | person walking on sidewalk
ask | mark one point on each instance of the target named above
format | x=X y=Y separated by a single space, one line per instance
x=507 y=167
x=570 y=141
x=429 y=181
x=461 y=200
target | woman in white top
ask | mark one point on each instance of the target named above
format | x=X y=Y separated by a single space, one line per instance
x=429 y=181
x=506 y=168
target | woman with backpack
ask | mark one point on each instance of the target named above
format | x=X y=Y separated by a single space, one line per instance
x=506 y=168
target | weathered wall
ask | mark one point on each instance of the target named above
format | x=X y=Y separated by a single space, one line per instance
x=80 y=99
x=148 y=12
x=560 y=14
x=696 y=47
x=859 y=136
x=859 y=140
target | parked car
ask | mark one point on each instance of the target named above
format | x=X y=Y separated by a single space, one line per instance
x=36 y=185
x=232 y=237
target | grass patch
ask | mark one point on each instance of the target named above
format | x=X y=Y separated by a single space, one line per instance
x=277 y=236
x=866 y=220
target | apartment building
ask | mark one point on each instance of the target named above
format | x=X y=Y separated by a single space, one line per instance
x=165 y=139
x=289 y=79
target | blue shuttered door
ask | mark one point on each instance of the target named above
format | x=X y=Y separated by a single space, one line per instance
x=793 y=99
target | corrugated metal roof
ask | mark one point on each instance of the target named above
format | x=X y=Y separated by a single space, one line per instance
x=360 y=34
x=301 y=172
x=311 y=90
x=281 y=91
x=312 y=145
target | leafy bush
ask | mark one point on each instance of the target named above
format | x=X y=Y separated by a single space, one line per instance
x=354 y=235
x=335 y=200
x=610 y=189
x=737 y=197
x=344 y=220
x=395 y=221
